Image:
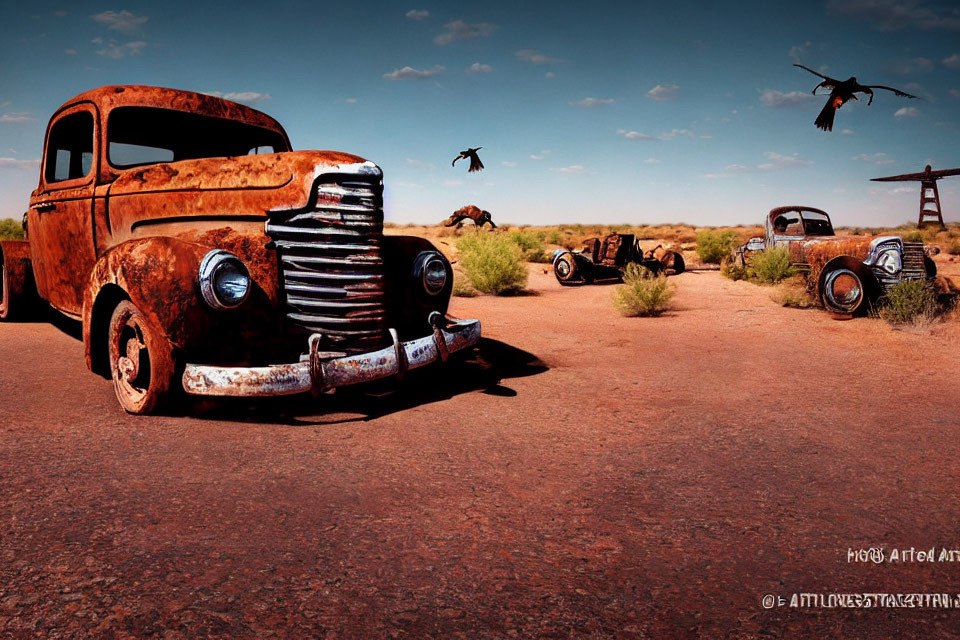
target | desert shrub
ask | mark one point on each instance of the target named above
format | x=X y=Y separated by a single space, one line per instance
x=953 y=247
x=794 y=292
x=642 y=293
x=731 y=268
x=10 y=230
x=713 y=246
x=914 y=235
x=492 y=262
x=909 y=301
x=462 y=288
x=531 y=245
x=554 y=237
x=770 y=266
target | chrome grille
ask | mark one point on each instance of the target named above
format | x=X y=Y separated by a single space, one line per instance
x=331 y=263
x=912 y=267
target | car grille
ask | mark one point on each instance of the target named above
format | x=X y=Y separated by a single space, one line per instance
x=912 y=267
x=331 y=263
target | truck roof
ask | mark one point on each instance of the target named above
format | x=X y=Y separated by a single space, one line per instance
x=113 y=96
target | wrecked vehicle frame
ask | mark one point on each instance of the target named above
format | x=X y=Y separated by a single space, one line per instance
x=199 y=250
x=607 y=259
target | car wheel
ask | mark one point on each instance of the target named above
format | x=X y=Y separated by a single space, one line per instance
x=141 y=360
x=843 y=291
x=566 y=271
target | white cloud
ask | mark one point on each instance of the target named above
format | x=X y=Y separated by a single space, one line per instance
x=508 y=163
x=460 y=30
x=420 y=164
x=407 y=185
x=240 y=96
x=70 y=52
x=953 y=62
x=123 y=21
x=796 y=52
x=661 y=92
x=549 y=75
x=652 y=161
x=16 y=117
x=775 y=161
x=350 y=100
x=955 y=93
x=572 y=169
x=16 y=163
x=592 y=103
x=666 y=135
x=846 y=132
x=894 y=15
x=906 y=112
x=418 y=14
x=874 y=158
x=452 y=183
x=535 y=57
x=60 y=13
x=780 y=100
x=409 y=73
x=543 y=154
x=477 y=67
x=117 y=51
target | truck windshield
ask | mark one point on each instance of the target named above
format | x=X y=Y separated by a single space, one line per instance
x=816 y=224
x=146 y=135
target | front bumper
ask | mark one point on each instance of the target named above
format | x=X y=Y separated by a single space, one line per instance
x=316 y=374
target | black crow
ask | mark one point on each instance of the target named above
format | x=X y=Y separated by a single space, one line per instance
x=841 y=93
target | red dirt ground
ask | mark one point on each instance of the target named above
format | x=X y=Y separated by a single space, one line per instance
x=627 y=478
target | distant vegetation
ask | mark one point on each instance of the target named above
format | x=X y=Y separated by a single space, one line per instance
x=492 y=262
x=714 y=246
x=531 y=244
x=10 y=230
x=642 y=293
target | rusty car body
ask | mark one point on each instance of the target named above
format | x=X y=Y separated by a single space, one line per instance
x=199 y=250
x=606 y=260
x=847 y=273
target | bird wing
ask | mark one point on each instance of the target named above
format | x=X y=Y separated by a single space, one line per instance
x=902 y=94
x=455 y=160
x=815 y=73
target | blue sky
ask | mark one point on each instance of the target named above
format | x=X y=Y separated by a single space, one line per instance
x=595 y=112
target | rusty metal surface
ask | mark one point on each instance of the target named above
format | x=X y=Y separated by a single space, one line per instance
x=289 y=379
x=17 y=290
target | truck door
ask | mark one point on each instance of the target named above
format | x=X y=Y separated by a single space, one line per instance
x=60 y=220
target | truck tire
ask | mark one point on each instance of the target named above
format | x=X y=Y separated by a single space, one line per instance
x=844 y=291
x=566 y=270
x=141 y=360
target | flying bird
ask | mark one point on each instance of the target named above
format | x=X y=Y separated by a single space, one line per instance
x=841 y=93
x=471 y=154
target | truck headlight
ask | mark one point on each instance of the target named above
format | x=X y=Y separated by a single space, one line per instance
x=430 y=270
x=224 y=280
x=889 y=261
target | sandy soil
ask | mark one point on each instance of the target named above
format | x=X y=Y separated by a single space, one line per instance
x=582 y=475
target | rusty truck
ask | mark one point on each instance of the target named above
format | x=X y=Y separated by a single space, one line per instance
x=201 y=253
x=847 y=273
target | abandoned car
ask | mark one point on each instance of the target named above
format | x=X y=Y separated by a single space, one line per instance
x=848 y=273
x=606 y=260
x=200 y=251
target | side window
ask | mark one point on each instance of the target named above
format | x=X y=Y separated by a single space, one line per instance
x=70 y=147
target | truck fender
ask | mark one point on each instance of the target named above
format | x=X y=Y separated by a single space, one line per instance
x=870 y=282
x=159 y=276
x=18 y=292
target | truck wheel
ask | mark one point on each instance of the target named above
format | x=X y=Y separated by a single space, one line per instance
x=843 y=291
x=566 y=271
x=141 y=360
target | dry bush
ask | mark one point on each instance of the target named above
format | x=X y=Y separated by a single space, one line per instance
x=10 y=230
x=492 y=262
x=714 y=246
x=794 y=292
x=642 y=293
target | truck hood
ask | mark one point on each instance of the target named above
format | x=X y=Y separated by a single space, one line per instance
x=267 y=171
